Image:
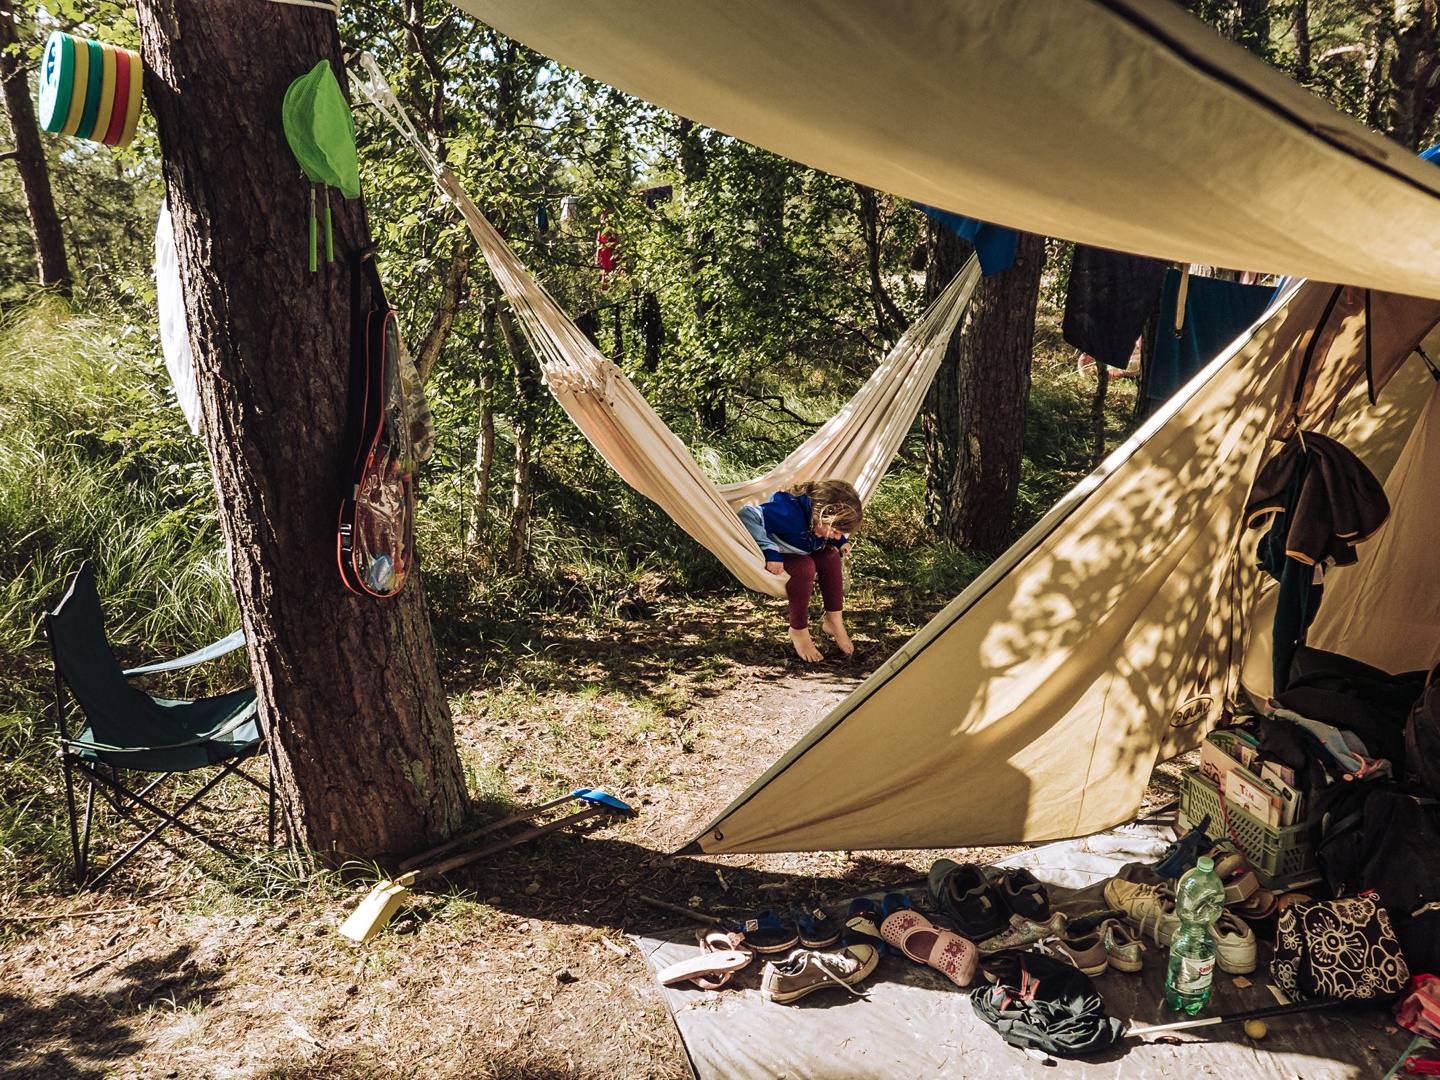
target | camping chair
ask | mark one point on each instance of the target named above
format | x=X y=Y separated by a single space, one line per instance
x=126 y=729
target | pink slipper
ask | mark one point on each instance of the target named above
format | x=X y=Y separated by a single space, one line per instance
x=698 y=969
x=925 y=943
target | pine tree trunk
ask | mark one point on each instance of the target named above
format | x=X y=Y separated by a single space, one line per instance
x=360 y=733
x=447 y=306
x=527 y=395
x=890 y=321
x=940 y=416
x=29 y=155
x=1304 y=71
x=976 y=477
x=485 y=440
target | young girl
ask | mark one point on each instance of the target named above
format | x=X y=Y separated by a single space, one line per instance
x=803 y=531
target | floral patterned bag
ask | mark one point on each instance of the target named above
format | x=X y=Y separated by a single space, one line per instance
x=1338 y=949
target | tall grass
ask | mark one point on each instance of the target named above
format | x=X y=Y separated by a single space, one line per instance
x=94 y=463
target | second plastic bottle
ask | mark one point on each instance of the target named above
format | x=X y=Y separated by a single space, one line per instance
x=1199 y=901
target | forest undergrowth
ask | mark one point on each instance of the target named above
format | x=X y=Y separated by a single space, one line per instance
x=622 y=657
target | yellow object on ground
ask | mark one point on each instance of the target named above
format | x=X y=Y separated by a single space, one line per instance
x=1256 y=1029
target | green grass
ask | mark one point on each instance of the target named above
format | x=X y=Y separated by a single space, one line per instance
x=95 y=462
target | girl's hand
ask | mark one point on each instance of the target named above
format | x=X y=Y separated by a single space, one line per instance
x=845 y=548
x=775 y=567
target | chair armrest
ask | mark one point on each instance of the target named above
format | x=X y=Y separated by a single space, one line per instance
x=226 y=644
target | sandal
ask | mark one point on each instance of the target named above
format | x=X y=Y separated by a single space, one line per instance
x=817 y=928
x=922 y=941
x=764 y=933
x=723 y=956
x=862 y=925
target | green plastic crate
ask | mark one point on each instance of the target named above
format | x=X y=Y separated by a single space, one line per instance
x=1281 y=858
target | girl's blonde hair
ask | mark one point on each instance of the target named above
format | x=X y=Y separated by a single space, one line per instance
x=832 y=502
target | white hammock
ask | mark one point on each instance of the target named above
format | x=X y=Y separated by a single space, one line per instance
x=857 y=444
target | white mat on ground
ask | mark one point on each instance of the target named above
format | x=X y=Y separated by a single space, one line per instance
x=913 y=1022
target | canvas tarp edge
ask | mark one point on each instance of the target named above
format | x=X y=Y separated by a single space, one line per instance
x=1089 y=487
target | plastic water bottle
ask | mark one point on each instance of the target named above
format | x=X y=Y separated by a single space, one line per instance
x=1199 y=901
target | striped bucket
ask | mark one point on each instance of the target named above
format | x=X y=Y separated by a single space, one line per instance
x=90 y=90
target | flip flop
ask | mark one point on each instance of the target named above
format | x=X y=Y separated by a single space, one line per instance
x=723 y=955
x=817 y=928
x=922 y=941
x=764 y=933
x=862 y=925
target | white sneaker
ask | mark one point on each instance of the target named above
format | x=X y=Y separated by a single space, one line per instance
x=1234 y=945
x=1148 y=908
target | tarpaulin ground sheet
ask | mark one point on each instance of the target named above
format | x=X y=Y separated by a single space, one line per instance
x=914 y=1023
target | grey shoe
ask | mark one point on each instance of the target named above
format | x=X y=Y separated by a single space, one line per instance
x=1148 y=908
x=1023 y=932
x=802 y=971
x=1121 y=946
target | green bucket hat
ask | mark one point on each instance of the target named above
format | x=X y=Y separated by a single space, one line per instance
x=321 y=134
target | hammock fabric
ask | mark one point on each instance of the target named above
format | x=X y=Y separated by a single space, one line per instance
x=857 y=444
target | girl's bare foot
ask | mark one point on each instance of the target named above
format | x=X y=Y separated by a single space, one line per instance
x=805 y=646
x=834 y=625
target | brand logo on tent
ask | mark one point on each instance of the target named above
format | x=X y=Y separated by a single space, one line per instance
x=1193 y=710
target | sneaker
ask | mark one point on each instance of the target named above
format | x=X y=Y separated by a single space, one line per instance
x=1122 y=948
x=968 y=898
x=1086 y=953
x=1234 y=945
x=802 y=971
x=1024 y=932
x=1021 y=892
x=1148 y=908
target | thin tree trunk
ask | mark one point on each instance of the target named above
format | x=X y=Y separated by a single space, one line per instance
x=992 y=394
x=527 y=394
x=1097 y=413
x=1304 y=69
x=940 y=416
x=45 y=230
x=887 y=315
x=485 y=441
x=359 y=729
x=447 y=306
x=1412 y=100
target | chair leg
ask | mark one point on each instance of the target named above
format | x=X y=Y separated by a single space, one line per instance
x=75 y=850
x=84 y=863
x=166 y=820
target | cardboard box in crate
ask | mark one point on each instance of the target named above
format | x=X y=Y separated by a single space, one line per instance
x=1281 y=858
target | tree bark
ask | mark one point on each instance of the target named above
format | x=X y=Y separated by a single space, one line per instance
x=887 y=315
x=485 y=440
x=45 y=230
x=361 y=741
x=1412 y=100
x=940 y=415
x=1097 y=413
x=974 y=482
x=447 y=306
x=527 y=400
x=1304 y=70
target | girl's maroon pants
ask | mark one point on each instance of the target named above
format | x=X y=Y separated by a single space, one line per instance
x=823 y=563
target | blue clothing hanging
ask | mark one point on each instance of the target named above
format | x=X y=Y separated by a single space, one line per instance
x=1216 y=313
x=995 y=244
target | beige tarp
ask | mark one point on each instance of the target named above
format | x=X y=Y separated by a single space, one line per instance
x=1124 y=123
x=1036 y=704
